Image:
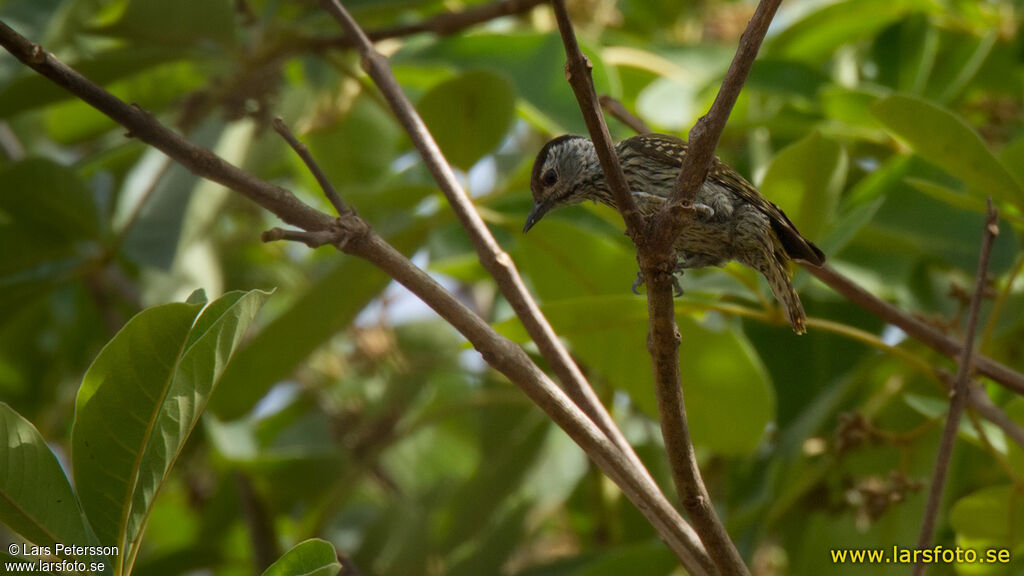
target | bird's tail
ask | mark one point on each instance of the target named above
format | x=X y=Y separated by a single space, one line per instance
x=774 y=270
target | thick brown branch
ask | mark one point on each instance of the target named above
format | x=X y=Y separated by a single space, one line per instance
x=577 y=71
x=656 y=255
x=960 y=394
x=915 y=328
x=362 y=241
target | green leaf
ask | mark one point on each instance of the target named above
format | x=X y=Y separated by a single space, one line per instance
x=935 y=409
x=962 y=58
x=1015 y=410
x=1012 y=157
x=355 y=151
x=36 y=500
x=853 y=109
x=947 y=141
x=648 y=558
x=729 y=399
x=805 y=180
x=49 y=228
x=498 y=475
x=49 y=200
x=469 y=115
x=313 y=557
x=534 y=62
x=994 y=514
x=177 y=23
x=139 y=402
x=818 y=35
x=553 y=256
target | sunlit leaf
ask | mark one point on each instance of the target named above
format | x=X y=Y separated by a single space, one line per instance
x=723 y=379
x=816 y=36
x=948 y=142
x=139 y=402
x=177 y=23
x=313 y=557
x=804 y=180
x=469 y=115
x=36 y=500
x=992 y=514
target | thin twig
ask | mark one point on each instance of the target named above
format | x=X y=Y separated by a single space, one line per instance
x=313 y=239
x=325 y=184
x=1000 y=373
x=960 y=394
x=578 y=72
x=499 y=352
x=619 y=112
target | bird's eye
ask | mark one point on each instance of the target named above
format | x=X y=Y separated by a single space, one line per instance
x=549 y=178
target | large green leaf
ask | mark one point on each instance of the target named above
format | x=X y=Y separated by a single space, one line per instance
x=139 y=402
x=469 y=115
x=947 y=141
x=815 y=37
x=583 y=278
x=49 y=228
x=994 y=514
x=566 y=261
x=729 y=399
x=498 y=475
x=48 y=199
x=177 y=23
x=313 y=557
x=36 y=500
x=533 y=61
x=648 y=558
x=355 y=151
x=805 y=179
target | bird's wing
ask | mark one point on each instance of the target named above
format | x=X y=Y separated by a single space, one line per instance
x=670 y=150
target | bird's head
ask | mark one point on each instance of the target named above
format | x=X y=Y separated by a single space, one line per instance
x=562 y=175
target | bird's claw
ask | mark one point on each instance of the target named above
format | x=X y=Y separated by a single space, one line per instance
x=677 y=288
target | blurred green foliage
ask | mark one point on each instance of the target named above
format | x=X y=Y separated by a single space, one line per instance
x=351 y=413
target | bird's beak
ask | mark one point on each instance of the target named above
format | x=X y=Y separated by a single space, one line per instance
x=536 y=213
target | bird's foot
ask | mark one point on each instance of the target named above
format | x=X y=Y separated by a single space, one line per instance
x=677 y=288
x=638 y=282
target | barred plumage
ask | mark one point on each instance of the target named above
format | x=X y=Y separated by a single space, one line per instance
x=734 y=221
